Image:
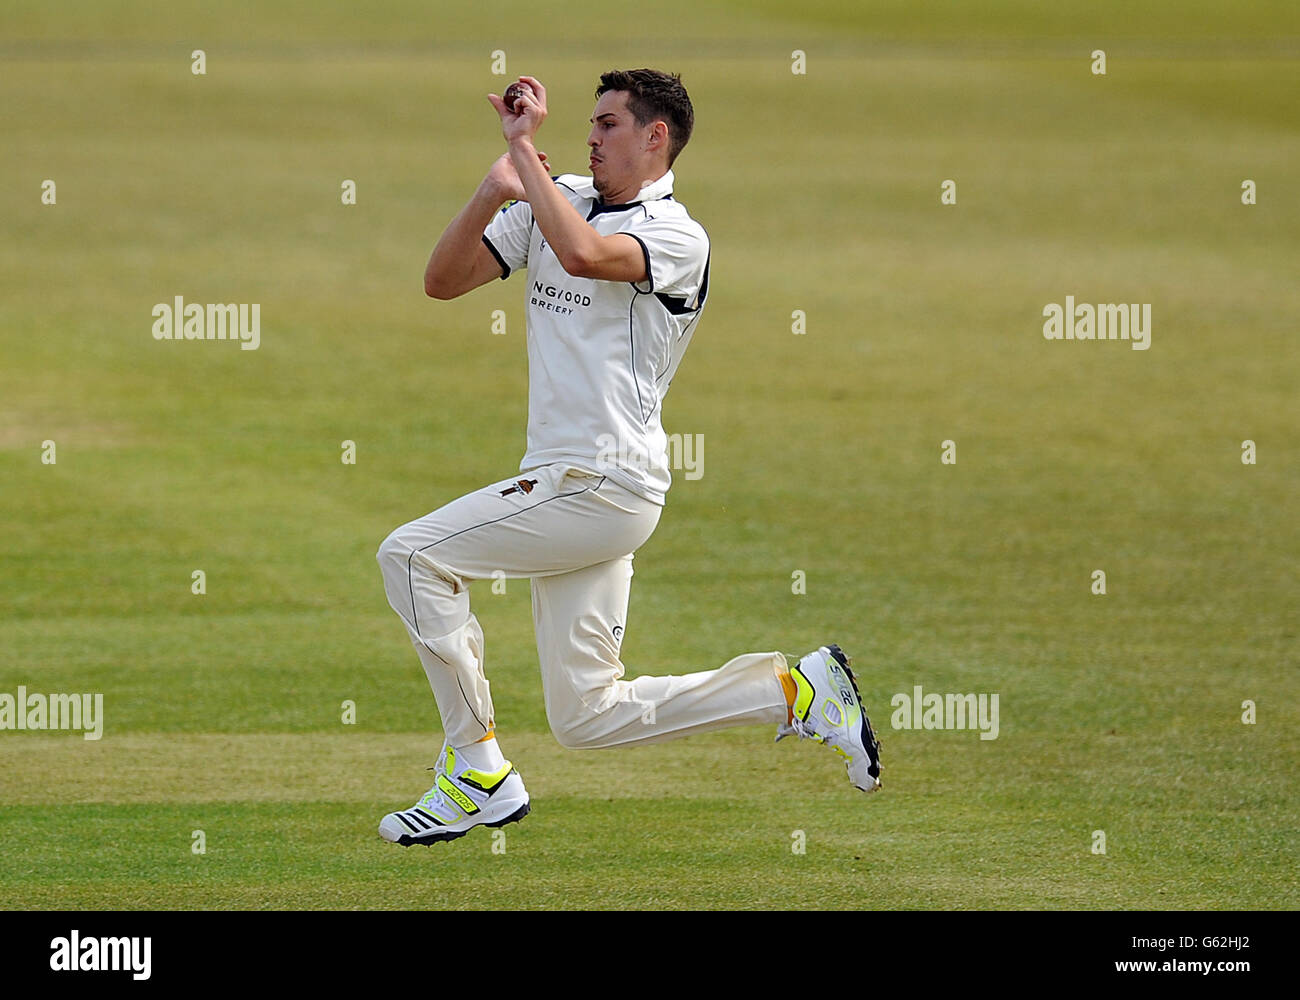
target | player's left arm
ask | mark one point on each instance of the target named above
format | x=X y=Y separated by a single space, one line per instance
x=582 y=252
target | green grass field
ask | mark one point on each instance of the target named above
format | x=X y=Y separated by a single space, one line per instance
x=1119 y=713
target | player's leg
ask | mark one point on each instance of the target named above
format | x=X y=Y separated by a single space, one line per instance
x=550 y=521
x=545 y=522
x=580 y=617
x=432 y=599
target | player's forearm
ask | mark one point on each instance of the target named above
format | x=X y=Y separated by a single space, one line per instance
x=451 y=263
x=576 y=244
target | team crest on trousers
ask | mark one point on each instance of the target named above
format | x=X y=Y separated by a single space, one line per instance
x=521 y=486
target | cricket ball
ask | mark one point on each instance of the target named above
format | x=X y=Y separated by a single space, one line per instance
x=513 y=93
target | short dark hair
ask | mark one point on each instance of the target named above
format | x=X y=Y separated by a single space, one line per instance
x=653 y=95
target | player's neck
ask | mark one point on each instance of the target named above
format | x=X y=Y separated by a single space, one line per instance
x=629 y=191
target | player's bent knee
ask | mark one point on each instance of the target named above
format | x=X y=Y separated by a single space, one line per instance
x=393 y=556
x=393 y=549
x=584 y=728
x=572 y=739
x=572 y=733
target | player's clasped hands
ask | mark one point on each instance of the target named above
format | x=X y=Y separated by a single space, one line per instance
x=505 y=178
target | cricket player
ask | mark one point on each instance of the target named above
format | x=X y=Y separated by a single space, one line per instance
x=617 y=276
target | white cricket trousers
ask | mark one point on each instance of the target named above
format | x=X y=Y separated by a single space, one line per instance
x=573 y=534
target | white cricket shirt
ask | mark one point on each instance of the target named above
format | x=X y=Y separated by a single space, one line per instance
x=601 y=354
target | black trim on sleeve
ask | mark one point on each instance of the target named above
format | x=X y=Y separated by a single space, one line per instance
x=676 y=306
x=649 y=275
x=505 y=270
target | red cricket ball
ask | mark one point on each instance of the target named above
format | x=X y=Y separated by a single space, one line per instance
x=513 y=93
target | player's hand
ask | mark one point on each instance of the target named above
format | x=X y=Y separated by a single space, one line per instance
x=504 y=179
x=529 y=113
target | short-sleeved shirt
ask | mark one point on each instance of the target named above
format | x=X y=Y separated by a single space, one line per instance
x=602 y=354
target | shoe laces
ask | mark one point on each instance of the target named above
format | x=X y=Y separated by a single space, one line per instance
x=797 y=727
x=433 y=796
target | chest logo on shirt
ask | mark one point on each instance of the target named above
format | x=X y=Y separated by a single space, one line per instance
x=554 y=299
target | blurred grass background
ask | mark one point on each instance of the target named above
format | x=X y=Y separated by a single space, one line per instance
x=820 y=193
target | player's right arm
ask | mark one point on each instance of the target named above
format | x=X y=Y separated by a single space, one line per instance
x=461 y=261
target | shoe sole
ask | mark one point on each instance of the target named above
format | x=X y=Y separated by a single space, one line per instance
x=843 y=660
x=440 y=836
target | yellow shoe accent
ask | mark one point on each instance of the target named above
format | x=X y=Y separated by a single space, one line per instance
x=804 y=697
x=456 y=795
x=484 y=780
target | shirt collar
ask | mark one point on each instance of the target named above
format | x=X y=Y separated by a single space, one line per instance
x=654 y=190
x=650 y=191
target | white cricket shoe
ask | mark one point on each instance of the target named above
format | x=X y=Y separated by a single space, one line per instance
x=461 y=798
x=827 y=708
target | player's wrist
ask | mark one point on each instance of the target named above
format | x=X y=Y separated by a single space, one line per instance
x=491 y=193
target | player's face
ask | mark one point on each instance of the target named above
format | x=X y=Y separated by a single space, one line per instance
x=619 y=157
